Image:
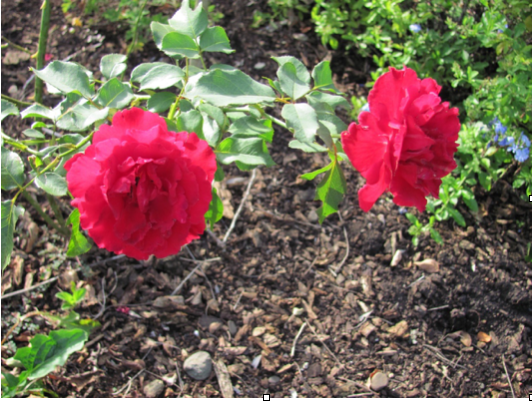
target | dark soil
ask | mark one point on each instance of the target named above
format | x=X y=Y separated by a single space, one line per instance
x=320 y=305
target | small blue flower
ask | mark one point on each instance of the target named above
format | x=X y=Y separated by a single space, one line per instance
x=415 y=28
x=365 y=107
x=507 y=141
x=521 y=155
x=499 y=128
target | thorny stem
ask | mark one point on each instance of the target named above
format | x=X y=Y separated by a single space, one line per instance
x=19 y=103
x=57 y=211
x=136 y=29
x=43 y=39
x=41 y=212
x=18 y=47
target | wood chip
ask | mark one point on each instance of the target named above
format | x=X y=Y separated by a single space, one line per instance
x=481 y=336
x=428 y=265
x=224 y=380
x=399 y=329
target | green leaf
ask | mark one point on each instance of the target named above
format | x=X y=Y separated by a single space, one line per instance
x=436 y=236
x=334 y=125
x=485 y=180
x=52 y=183
x=161 y=101
x=38 y=111
x=12 y=170
x=250 y=126
x=310 y=176
x=290 y=82
x=10 y=215
x=469 y=200
x=33 y=133
x=457 y=216
x=412 y=219
x=334 y=101
x=223 y=88
x=157 y=75
x=213 y=112
x=322 y=76
x=219 y=175
x=114 y=94
x=78 y=244
x=190 y=22
x=159 y=31
x=175 y=43
x=331 y=191
x=301 y=71
x=216 y=209
x=47 y=352
x=191 y=121
x=306 y=147
x=215 y=40
x=81 y=116
x=211 y=130
x=67 y=77
x=8 y=108
x=249 y=151
x=112 y=65
x=303 y=119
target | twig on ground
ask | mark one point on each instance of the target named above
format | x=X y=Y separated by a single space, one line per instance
x=24 y=290
x=102 y=304
x=189 y=275
x=508 y=377
x=339 y=267
x=128 y=384
x=181 y=383
x=438 y=308
x=441 y=357
x=218 y=241
x=293 y=350
x=202 y=261
x=417 y=281
x=238 y=300
x=359 y=395
x=241 y=206
x=322 y=343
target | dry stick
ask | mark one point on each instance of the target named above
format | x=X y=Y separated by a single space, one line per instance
x=322 y=343
x=339 y=267
x=293 y=350
x=24 y=290
x=441 y=357
x=508 y=377
x=182 y=283
x=241 y=206
x=128 y=383
x=102 y=309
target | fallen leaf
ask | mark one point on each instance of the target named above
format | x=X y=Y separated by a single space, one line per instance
x=428 y=265
x=399 y=329
x=465 y=338
x=481 y=336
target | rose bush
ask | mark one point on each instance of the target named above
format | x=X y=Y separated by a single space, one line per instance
x=406 y=143
x=141 y=189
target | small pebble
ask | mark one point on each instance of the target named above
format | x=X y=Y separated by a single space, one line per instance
x=379 y=381
x=232 y=327
x=154 y=389
x=274 y=380
x=313 y=216
x=198 y=365
x=259 y=66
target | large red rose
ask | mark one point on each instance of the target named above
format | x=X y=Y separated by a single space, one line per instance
x=406 y=143
x=140 y=189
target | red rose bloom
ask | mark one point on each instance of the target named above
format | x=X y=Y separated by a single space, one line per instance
x=140 y=189
x=405 y=143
